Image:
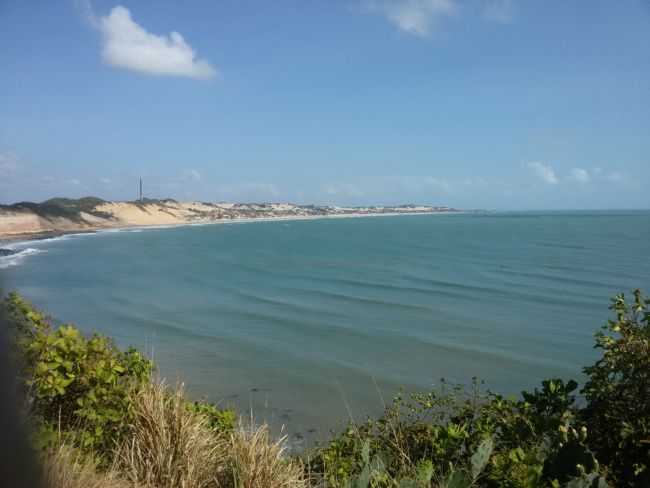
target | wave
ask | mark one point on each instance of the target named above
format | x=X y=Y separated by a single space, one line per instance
x=15 y=245
x=122 y=229
x=47 y=240
x=18 y=257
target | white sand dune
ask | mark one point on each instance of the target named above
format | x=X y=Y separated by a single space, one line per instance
x=22 y=221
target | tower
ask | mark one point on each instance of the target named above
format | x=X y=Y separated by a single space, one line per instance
x=141 y=188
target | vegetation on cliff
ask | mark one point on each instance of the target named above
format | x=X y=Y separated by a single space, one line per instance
x=100 y=420
x=67 y=208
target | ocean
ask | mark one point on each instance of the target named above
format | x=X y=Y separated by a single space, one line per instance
x=308 y=324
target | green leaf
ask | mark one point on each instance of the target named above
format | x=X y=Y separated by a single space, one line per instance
x=365 y=452
x=458 y=479
x=481 y=457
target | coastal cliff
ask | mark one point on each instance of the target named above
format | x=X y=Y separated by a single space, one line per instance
x=62 y=215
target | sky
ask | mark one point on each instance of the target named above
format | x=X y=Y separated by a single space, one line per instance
x=492 y=104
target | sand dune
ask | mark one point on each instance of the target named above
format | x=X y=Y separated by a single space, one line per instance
x=88 y=214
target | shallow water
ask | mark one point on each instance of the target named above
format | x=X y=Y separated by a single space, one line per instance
x=308 y=323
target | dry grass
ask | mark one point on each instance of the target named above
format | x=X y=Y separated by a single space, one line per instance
x=170 y=447
x=65 y=468
x=255 y=461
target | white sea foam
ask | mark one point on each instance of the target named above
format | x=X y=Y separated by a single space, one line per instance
x=18 y=257
x=39 y=242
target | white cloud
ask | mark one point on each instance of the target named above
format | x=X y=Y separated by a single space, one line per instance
x=437 y=184
x=614 y=176
x=611 y=176
x=544 y=172
x=128 y=45
x=105 y=181
x=580 y=175
x=249 y=191
x=343 y=190
x=475 y=181
x=501 y=11
x=190 y=175
x=8 y=164
x=74 y=181
x=417 y=17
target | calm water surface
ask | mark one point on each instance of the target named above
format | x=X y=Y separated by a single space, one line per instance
x=305 y=322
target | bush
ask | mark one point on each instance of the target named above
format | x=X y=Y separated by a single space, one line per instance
x=83 y=388
x=542 y=440
x=221 y=420
x=442 y=434
x=76 y=383
x=88 y=391
x=618 y=393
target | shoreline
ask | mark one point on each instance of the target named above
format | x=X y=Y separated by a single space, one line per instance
x=25 y=237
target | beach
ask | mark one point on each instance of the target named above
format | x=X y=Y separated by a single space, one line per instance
x=41 y=222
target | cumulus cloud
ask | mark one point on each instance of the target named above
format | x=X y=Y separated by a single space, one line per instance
x=501 y=11
x=416 y=17
x=128 y=45
x=544 y=172
x=580 y=175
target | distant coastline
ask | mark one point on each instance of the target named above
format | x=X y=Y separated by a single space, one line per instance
x=61 y=216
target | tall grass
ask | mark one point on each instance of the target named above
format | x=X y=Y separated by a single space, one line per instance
x=170 y=446
x=256 y=461
x=64 y=467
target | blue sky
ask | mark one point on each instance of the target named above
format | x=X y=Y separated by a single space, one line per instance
x=505 y=104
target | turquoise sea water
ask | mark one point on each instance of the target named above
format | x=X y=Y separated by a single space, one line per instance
x=307 y=323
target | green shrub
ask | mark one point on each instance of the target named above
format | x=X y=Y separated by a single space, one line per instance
x=76 y=383
x=435 y=430
x=447 y=432
x=222 y=420
x=540 y=440
x=618 y=393
x=85 y=388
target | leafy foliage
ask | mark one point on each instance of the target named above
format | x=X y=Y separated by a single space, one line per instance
x=448 y=438
x=544 y=439
x=84 y=388
x=222 y=420
x=74 y=382
x=618 y=392
x=462 y=439
x=68 y=208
